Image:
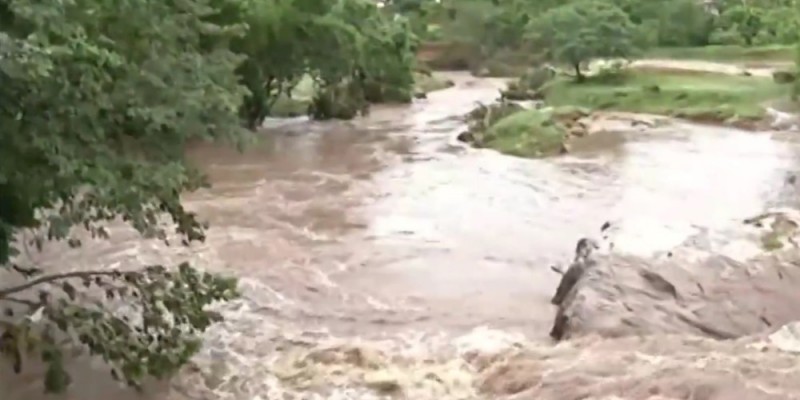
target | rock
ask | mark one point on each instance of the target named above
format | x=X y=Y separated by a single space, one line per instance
x=624 y=295
x=466 y=137
x=482 y=72
x=784 y=76
x=383 y=381
x=577 y=131
x=777 y=228
x=420 y=95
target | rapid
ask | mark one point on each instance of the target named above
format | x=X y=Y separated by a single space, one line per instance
x=381 y=257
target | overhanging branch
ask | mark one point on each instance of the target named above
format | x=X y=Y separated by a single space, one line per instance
x=4 y=293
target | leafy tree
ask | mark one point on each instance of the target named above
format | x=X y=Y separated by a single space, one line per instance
x=758 y=22
x=97 y=103
x=578 y=32
x=340 y=44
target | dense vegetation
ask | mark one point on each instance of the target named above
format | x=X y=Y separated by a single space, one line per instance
x=97 y=102
x=497 y=25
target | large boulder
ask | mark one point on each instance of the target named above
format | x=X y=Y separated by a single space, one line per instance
x=617 y=295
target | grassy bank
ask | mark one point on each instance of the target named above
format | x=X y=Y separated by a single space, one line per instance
x=512 y=129
x=527 y=133
x=729 y=54
x=696 y=96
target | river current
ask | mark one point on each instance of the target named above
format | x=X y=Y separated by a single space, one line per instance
x=385 y=241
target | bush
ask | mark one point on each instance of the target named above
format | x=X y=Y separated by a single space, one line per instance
x=726 y=37
x=783 y=77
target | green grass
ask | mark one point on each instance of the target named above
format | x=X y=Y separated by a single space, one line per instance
x=698 y=96
x=527 y=133
x=733 y=54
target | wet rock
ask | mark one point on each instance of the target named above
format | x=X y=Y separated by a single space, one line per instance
x=466 y=137
x=383 y=381
x=777 y=228
x=618 y=295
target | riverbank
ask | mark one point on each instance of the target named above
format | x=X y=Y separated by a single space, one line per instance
x=696 y=96
x=749 y=55
x=702 y=92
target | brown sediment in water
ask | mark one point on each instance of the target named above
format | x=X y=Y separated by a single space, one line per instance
x=378 y=248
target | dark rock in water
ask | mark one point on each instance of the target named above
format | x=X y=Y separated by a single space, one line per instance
x=784 y=76
x=719 y=298
x=466 y=137
x=420 y=95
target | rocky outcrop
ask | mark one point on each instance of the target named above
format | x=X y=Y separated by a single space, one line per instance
x=720 y=298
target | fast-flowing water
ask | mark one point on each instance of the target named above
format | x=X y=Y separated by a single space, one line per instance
x=386 y=230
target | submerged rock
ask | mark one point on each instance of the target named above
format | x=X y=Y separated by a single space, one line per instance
x=720 y=298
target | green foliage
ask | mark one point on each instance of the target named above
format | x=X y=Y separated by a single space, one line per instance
x=796 y=87
x=578 y=32
x=142 y=323
x=669 y=23
x=490 y=28
x=757 y=22
x=97 y=103
x=335 y=42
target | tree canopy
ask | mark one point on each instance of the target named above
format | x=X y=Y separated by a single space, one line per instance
x=578 y=32
x=98 y=100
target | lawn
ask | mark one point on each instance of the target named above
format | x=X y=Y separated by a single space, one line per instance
x=692 y=95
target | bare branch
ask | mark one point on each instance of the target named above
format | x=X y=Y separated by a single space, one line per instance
x=20 y=301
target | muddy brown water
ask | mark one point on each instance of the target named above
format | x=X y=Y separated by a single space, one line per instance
x=385 y=227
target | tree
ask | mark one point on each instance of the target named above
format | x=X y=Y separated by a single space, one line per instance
x=758 y=22
x=578 y=32
x=334 y=42
x=97 y=102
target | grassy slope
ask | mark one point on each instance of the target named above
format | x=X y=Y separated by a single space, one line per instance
x=734 y=54
x=528 y=133
x=699 y=96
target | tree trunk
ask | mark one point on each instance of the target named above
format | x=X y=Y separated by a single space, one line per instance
x=578 y=75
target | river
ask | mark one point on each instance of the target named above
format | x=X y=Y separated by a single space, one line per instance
x=387 y=232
